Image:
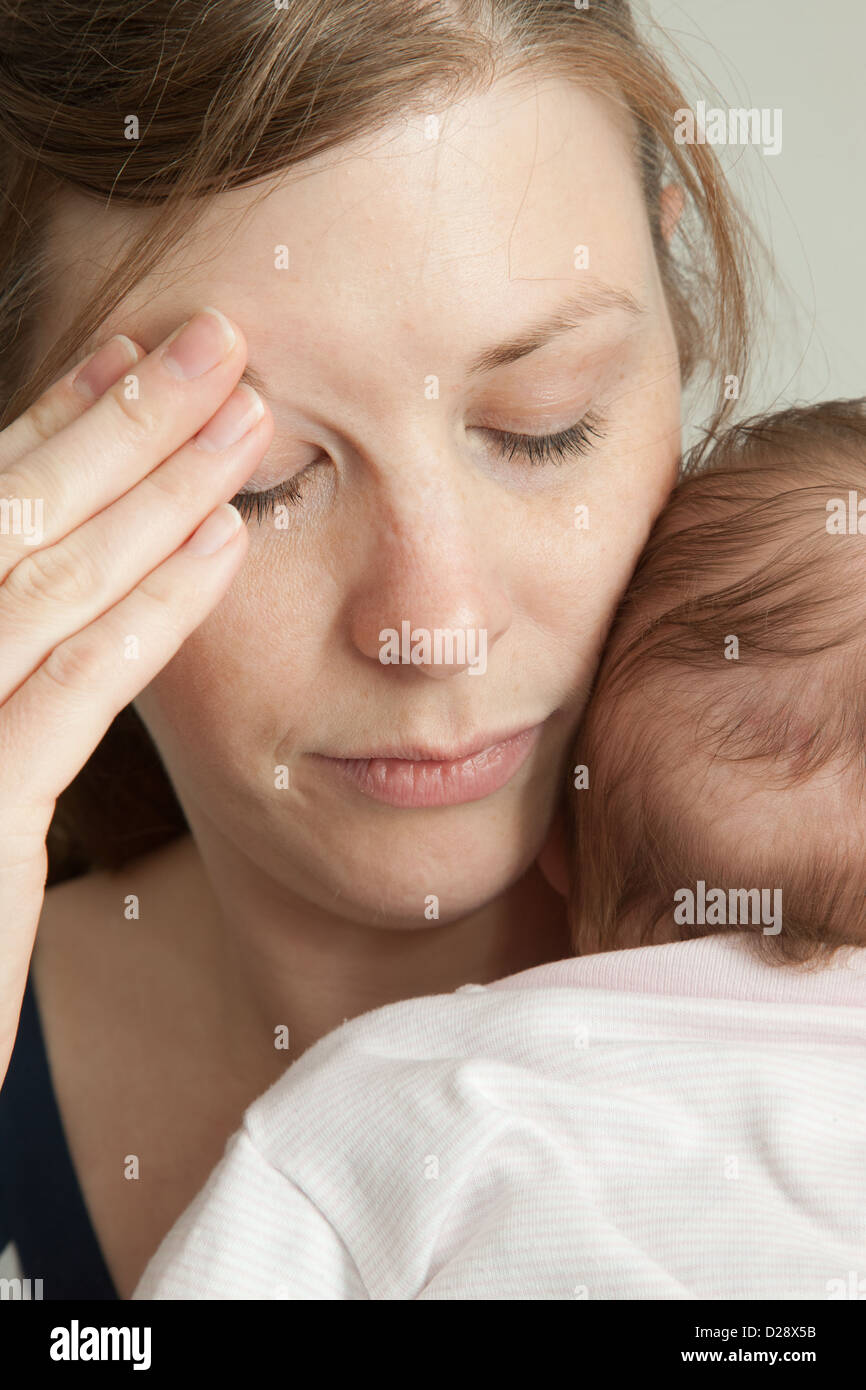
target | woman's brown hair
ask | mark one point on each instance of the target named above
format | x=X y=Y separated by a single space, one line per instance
x=225 y=95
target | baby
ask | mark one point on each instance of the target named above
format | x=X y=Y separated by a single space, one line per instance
x=677 y=1119
x=721 y=765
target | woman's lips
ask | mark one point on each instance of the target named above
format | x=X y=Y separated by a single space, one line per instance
x=408 y=782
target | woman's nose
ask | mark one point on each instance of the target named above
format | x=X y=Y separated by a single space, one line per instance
x=434 y=602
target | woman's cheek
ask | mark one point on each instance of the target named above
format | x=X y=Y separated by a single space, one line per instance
x=579 y=554
x=226 y=686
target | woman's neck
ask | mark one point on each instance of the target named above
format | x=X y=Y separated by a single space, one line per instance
x=270 y=962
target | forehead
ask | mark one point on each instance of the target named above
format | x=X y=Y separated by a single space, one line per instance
x=450 y=222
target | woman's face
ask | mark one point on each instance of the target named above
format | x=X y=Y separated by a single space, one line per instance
x=412 y=260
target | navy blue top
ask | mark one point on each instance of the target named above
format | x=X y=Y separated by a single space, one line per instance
x=42 y=1209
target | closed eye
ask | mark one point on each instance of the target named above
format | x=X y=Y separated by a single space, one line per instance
x=534 y=449
x=539 y=449
x=264 y=503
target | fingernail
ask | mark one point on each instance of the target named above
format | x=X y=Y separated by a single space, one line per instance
x=215 y=531
x=198 y=345
x=102 y=369
x=235 y=418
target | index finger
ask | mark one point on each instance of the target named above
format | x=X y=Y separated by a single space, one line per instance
x=67 y=398
x=129 y=431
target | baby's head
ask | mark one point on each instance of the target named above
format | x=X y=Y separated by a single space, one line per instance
x=720 y=769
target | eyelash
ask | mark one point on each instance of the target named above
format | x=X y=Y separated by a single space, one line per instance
x=538 y=449
x=535 y=449
x=264 y=503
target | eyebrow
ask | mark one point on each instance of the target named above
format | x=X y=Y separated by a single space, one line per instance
x=570 y=314
x=573 y=312
x=255 y=380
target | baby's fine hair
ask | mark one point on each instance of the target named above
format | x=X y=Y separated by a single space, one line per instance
x=725 y=736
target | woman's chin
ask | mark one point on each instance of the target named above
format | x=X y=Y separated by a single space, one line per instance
x=421 y=884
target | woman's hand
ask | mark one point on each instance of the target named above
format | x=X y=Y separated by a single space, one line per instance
x=115 y=544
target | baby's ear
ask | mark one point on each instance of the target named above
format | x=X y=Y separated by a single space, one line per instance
x=552 y=859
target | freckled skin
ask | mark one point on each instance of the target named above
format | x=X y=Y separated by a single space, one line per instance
x=407 y=258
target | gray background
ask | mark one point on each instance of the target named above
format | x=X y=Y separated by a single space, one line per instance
x=808 y=202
